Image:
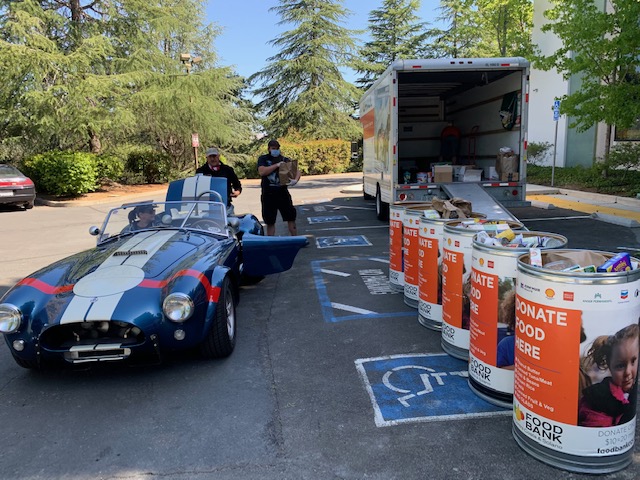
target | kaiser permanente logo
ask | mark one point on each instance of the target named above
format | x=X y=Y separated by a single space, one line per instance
x=544 y=431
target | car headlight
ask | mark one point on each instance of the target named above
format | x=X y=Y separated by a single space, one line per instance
x=178 y=307
x=10 y=318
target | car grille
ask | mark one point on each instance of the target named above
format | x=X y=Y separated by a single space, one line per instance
x=92 y=341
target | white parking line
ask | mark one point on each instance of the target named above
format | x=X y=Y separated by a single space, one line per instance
x=354 y=228
x=349 y=308
x=335 y=272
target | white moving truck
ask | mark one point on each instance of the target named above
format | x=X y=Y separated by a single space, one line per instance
x=407 y=108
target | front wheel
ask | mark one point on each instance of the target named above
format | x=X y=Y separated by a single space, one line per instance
x=28 y=364
x=382 y=208
x=221 y=339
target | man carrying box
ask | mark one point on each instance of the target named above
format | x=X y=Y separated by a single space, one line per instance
x=275 y=193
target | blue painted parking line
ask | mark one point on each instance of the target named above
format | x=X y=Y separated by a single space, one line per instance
x=421 y=388
x=328 y=219
x=328 y=307
x=343 y=241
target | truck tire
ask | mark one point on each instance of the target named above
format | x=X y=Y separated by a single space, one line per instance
x=382 y=208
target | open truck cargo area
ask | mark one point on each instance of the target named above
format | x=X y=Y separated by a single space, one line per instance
x=406 y=110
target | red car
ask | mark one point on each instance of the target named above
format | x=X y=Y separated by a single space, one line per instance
x=15 y=188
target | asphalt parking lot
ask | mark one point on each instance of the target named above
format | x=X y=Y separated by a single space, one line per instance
x=327 y=382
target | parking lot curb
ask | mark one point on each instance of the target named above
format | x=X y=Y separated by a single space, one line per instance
x=622 y=221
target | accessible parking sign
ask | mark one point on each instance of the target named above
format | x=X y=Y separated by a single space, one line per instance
x=421 y=388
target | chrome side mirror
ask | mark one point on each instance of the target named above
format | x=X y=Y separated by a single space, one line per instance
x=95 y=231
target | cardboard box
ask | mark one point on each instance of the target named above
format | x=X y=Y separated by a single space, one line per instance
x=509 y=177
x=471 y=175
x=458 y=171
x=442 y=173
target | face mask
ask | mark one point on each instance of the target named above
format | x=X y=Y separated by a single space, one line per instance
x=275 y=153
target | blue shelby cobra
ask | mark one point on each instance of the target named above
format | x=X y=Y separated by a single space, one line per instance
x=163 y=277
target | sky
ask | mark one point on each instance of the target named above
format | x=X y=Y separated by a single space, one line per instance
x=248 y=25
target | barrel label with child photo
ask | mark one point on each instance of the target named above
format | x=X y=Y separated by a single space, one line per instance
x=576 y=367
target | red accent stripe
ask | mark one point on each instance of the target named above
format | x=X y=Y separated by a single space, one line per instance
x=45 y=287
x=213 y=293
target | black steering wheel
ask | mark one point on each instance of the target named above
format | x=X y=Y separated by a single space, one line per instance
x=207 y=225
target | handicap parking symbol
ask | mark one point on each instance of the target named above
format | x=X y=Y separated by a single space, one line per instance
x=328 y=219
x=343 y=241
x=421 y=388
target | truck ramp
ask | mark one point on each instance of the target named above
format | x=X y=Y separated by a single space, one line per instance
x=481 y=201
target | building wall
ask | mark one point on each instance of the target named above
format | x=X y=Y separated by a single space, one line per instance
x=573 y=148
x=544 y=88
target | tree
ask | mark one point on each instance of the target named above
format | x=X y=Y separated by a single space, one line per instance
x=75 y=74
x=54 y=58
x=601 y=48
x=302 y=90
x=508 y=25
x=396 y=33
x=461 y=36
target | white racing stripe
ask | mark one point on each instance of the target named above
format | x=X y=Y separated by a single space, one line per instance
x=84 y=308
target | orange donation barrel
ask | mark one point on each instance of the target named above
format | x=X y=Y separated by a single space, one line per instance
x=494 y=268
x=430 y=256
x=456 y=279
x=411 y=237
x=576 y=359
x=396 y=261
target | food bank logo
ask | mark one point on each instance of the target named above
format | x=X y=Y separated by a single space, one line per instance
x=518 y=413
x=545 y=431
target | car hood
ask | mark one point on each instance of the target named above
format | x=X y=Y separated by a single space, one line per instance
x=121 y=265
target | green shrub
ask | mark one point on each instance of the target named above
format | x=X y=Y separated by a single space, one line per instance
x=109 y=166
x=245 y=166
x=620 y=182
x=147 y=165
x=623 y=156
x=538 y=152
x=62 y=173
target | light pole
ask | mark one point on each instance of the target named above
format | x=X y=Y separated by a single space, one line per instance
x=189 y=62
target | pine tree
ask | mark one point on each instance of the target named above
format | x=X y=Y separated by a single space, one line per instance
x=396 y=33
x=461 y=36
x=302 y=90
x=76 y=74
x=508 y=25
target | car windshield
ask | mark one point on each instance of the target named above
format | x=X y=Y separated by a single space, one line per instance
x=207 y=217
x=7 y=171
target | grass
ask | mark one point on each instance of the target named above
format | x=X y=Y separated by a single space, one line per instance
x=598 y=179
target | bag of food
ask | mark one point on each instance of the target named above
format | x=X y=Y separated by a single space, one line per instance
x=288 y=171
x=454 y=208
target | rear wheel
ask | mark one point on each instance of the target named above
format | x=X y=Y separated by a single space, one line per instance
x=28 y=206
x=382 y=208
x=221 y=339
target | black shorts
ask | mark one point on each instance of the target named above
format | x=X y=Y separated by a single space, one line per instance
x=274 y=200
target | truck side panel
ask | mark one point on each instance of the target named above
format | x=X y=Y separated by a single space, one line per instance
x=379 y=126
